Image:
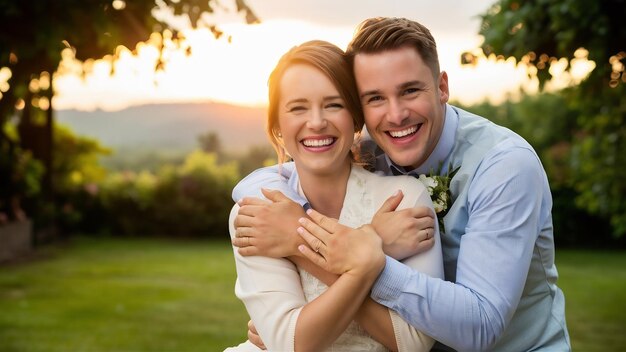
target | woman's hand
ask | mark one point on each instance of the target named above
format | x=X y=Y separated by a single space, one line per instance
x=340 y=249
x=404 y=232
x=268 y=227
x=254 y=337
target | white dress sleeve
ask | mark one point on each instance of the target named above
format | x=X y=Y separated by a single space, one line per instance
x=271 y=291
x=429 y=262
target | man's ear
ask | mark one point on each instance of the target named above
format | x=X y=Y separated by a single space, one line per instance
x=444 y=91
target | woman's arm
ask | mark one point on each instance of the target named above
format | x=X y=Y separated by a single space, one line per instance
x=271 y=291
x=382 y=324
x=338 y=247
x=371 y=316
x=330 y=313
x=429 y=262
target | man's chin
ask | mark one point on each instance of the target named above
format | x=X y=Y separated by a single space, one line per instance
x=406 y=161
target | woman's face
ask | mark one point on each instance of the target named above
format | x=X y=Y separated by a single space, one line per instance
x=316 y=127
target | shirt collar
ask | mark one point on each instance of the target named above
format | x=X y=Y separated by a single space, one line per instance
x=440 y=153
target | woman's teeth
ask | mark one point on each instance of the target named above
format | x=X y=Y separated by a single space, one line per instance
x=317 y=142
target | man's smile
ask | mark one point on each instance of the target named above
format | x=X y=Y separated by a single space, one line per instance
x=405 y=132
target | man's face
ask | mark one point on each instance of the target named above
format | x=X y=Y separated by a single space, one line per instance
x=404 y=105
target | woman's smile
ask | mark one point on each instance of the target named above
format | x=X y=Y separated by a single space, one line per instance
x=318 y=144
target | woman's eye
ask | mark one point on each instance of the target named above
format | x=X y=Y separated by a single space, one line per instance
x=296 y=109
x=334 y=106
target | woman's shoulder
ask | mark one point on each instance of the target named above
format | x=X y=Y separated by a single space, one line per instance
x=379 y=179
x=384 y=186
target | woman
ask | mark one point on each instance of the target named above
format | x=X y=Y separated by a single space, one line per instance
x=314 y=113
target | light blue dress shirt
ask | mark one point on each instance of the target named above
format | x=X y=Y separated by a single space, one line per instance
x=500 y=291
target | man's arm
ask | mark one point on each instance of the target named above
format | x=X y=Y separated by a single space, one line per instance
x=493 y=262
x=494 y=258
x=258 y=231
x=272 y=177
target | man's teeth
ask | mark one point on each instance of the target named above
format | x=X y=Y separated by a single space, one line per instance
x=408 y=131
x=317 y=142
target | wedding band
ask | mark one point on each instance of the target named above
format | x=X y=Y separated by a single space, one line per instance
x=248 y=242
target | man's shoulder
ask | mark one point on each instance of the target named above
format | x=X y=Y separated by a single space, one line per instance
x=479 y=132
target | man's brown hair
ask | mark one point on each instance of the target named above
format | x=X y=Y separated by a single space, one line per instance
x=379 y=34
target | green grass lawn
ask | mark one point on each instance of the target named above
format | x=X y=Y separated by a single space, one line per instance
x=594 y=283
x=122 y=295
x=165 y=295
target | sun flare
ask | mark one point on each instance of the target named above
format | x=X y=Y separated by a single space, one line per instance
x=234 y=69
x=231 y=70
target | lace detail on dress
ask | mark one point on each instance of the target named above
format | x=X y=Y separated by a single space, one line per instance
x=357 y=210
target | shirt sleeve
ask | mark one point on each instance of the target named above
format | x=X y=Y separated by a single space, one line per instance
x=430 y=263
x=493 y=262
x=270 y=289
x=272 y=177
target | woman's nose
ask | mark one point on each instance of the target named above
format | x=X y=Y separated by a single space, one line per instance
x=317 y=120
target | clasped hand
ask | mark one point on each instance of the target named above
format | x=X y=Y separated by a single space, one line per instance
x=404 y=232
x=268 y=227
x=341 y=249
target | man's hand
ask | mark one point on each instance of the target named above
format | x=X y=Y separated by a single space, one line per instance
x=268 y=227
x=404 y=232
x=340 y=249
x=254 y=337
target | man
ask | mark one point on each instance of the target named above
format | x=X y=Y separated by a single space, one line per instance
x=500 y=291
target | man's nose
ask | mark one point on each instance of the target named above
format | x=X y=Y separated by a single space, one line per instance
x=396 y=113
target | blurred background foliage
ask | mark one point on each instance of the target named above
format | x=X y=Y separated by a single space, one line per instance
x=189 y=197
x=588 y=147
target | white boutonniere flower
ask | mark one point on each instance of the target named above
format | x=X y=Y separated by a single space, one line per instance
x=438 y=187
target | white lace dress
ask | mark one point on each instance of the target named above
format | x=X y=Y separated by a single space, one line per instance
x=274 y=290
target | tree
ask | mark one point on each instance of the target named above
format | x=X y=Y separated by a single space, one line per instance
x=538 y=33
x=34 y=35
x=210 y=143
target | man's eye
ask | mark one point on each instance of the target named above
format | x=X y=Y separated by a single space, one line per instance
x=374 y=99
x=410 y=91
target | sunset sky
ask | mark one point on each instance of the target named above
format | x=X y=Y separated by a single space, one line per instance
x=237 y=72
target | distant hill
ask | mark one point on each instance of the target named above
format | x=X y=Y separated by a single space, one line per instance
x=173 y=127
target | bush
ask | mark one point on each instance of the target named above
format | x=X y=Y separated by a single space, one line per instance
x=192 y=199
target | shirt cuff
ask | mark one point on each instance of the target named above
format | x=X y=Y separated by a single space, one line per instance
x=390 y=283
